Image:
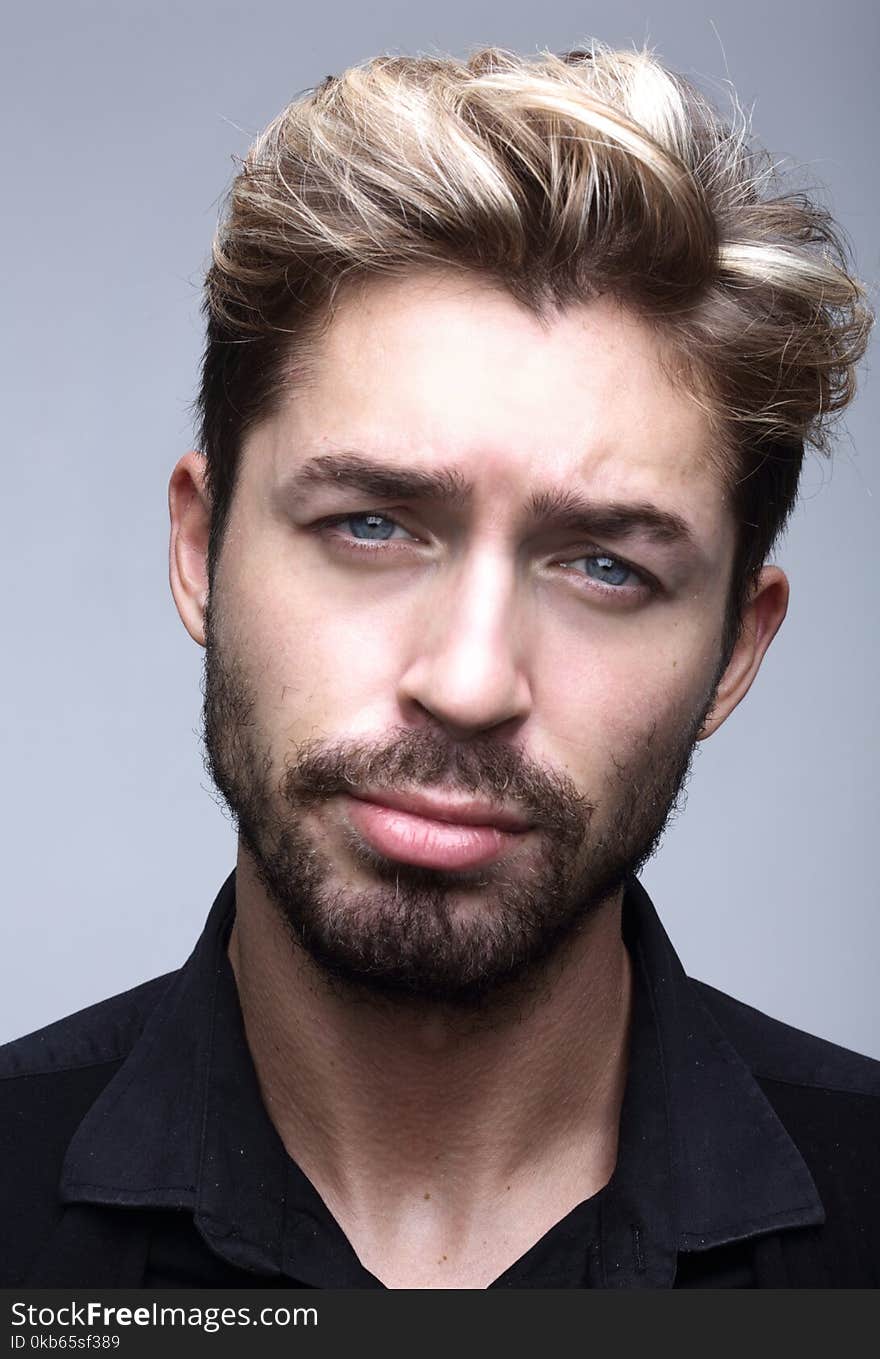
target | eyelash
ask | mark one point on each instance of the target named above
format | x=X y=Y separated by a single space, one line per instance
x=647 y=583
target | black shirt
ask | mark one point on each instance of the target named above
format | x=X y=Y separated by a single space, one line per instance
x=158 y=1166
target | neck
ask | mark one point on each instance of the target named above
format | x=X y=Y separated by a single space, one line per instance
x=388 y=1106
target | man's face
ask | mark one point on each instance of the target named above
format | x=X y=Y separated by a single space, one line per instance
x=486 y=646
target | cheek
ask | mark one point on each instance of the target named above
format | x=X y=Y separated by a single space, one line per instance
x=616 y=699
x=319 y=669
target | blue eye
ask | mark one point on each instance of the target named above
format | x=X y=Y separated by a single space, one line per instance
x=380 y=522
x=608 y=570
x=365 y=530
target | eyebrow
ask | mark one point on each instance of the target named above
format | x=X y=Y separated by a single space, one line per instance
x=557 y=508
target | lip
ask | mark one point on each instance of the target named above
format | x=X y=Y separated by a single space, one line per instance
x=467 y=812
x=434 y=832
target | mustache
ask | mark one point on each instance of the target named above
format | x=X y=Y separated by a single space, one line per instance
x=426 y=759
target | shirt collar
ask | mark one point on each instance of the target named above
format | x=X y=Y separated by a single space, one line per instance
x=702 y=1159
x=735 y=1170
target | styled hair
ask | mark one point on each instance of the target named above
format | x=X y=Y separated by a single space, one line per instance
x=561 y=178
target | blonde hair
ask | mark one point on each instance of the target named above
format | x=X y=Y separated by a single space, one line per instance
x=561 y=177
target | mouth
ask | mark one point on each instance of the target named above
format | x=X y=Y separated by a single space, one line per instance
x=446 y=836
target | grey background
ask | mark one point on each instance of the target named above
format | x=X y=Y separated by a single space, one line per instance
x=118 y=124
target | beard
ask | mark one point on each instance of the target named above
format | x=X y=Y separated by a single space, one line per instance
x=463 y=939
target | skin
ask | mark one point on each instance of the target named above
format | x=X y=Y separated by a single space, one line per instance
x=445 y=1139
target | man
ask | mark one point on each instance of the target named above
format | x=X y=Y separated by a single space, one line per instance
x=508 y=373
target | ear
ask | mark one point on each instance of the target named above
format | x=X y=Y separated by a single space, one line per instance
x=762 y=617
x=190 y=508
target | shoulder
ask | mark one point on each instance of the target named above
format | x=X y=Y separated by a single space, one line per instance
x=827 y=1099
x=49 y=1078
x=48 y=1081
x=778 y=1052
x=100 y=1033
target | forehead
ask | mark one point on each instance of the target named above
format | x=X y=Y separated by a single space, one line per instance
x=441 y=369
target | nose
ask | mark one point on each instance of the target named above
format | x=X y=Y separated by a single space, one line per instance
x=467 y=667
